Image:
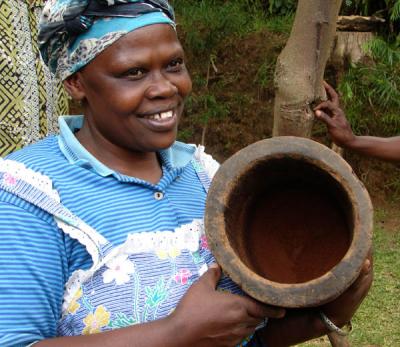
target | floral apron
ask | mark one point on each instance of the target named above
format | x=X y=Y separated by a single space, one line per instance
x=139 y=281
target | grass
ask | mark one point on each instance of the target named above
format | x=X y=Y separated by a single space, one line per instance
x=377 y=321
x=370 y=89
x=208 y=23
x=280 y=24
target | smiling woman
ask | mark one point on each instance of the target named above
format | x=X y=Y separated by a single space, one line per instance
x=102 y=238
x=133 y=95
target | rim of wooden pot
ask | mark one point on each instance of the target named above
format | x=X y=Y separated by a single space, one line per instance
x=319 y=290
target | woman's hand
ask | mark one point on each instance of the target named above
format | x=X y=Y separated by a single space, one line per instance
x=333 y=116
x=305 y=324
x=342 y=309
x=207 y=317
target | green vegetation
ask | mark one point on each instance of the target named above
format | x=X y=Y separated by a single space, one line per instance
x=208 y=28
x=281 y=7
x=232 y=47
x=280 y=24
x=376 y=322
x=388 y=9
x=371 y=90
x=265 y=74
x=217 y=34
x=207 y=23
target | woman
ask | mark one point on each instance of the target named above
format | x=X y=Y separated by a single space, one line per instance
x=135 y=263
x=30 y=98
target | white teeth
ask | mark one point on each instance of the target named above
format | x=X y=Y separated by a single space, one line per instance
x=166 y=115
x=163 y=115
x=155 y=116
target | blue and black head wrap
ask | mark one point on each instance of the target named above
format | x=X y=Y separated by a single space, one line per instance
x=73 y=32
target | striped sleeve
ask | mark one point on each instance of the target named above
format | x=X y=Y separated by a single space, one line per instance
x=32 y=276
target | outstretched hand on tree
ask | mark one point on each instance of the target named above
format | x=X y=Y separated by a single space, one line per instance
x=340 y=131
x=333 y=116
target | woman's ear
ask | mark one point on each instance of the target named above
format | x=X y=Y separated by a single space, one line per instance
x=74 y=86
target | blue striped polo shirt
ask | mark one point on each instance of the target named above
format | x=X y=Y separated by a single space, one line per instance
x=37 y=258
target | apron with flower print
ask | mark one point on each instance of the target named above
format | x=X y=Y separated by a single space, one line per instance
x=139 y=281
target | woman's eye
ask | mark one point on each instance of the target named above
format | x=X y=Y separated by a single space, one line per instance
x=176 y=64
x=135 y=73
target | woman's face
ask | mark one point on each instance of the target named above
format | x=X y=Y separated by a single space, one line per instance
x=134 y=91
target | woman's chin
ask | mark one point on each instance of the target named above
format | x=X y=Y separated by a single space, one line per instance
x=162 y=144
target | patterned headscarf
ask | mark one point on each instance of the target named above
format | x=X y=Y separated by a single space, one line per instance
x=74 y=32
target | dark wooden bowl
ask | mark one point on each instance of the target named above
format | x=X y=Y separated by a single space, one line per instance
x=288 y=220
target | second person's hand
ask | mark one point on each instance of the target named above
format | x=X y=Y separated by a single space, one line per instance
x=333 y=116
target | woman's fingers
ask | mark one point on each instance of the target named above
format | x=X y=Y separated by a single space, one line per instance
x=211 y=276
x=321 y=115
x=259 y=311
x=254 y=308
x=327 y=106
x=332 y=95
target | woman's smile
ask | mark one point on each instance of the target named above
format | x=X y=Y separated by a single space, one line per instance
x=161 y=121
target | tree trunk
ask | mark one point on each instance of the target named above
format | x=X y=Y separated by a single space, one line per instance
x=299 y=73
x=348 y=47
x=301 y=64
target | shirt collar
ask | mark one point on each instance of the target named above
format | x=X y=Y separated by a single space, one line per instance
x=174 y=157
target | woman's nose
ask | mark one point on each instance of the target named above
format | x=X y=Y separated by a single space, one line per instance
x=161 y=87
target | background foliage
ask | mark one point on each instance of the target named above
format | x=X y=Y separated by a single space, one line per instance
x=232 y=46
x=371 y=89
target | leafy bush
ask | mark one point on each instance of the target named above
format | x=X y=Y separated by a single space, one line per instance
x=274 y=7
x=371 y=91
x=206 y=23
x=280 y=24
x=281 y=7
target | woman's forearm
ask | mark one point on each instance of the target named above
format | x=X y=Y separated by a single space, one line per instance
x=164 y=332
x=295 y=327
x=382 y=148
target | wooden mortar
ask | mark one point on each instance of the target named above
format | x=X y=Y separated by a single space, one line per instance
x=288 y=220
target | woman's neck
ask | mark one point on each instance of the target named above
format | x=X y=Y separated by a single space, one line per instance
x=142 y=165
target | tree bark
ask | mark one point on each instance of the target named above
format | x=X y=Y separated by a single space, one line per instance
x=348 y=47
x=300 y=67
